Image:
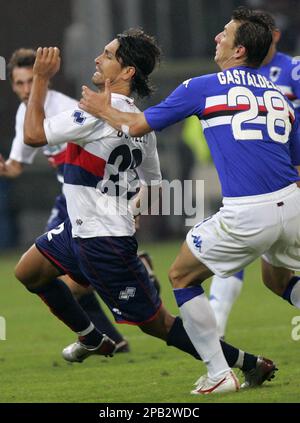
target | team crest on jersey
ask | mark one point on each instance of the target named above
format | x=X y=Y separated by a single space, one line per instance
x=197 y=242
x=274 y=73
x=79 y=117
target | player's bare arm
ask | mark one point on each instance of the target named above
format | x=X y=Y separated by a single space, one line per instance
x=46 y=65
x=99 y=105
x=10 y=168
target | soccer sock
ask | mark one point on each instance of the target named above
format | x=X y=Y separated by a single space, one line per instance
x=63 y=305
x=93 y=309
x=223 y=293
x=177 y=337
x=200 y=325
x=292 y=292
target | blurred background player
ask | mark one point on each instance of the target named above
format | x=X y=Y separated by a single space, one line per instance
x=283 y=71
x=20 y=72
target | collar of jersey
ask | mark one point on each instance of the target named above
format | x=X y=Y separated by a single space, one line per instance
x=241 y=67
x=124 y=97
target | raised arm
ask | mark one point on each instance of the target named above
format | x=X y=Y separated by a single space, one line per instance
x=99 y=105
x=46 y=65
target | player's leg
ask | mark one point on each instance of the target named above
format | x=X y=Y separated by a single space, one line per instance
x=283 y=255
x=87 y=299
x=186 y=275
x=147 y=262
x=170 y=329
x=124 y=284
x=85 y=296
x=223 y=294
x=282 y=282
x=39 y=275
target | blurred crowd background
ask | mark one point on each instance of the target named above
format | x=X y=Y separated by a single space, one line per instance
x=185 y=29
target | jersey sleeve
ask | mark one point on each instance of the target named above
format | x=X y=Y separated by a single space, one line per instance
x=21 y=152
x=295 y=78
x=295 y=144
x=74 y=125
x=186 y=100
x=149 y=171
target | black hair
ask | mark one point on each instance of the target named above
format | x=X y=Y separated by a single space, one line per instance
x=267 y=18
x=21 y=58
x=254 y=34
x=141 y=51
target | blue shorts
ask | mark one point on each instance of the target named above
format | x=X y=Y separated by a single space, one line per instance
x=110 y=265
x=58 y=213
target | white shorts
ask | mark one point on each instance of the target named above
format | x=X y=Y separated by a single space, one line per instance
x=246 y=228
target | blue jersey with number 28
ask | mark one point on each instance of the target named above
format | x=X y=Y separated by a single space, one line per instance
x=249 y=126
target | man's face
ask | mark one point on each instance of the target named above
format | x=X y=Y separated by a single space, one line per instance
x=225 y=43
x=22 y=82
x=107 y=65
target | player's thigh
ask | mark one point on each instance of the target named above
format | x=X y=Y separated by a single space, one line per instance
x=275 y=278
x=77 y=289
x=187 y=269
x=34 y=270
x=112 y=267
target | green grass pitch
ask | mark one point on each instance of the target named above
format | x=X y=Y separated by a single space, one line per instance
x=32 y=369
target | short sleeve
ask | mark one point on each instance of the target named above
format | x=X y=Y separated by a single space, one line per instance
x=295 y=144
x=74 y=125
x=186 y=100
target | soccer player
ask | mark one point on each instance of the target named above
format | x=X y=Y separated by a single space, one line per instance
x=96 y=245
x=20 y=72
x=250 y=128
x=283 y=71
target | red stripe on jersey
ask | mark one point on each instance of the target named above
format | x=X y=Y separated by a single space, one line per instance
x=76 y=155
x=292 y=118
x=58 y=159
x=239 y=107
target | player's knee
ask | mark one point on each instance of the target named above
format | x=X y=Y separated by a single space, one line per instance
x=21 y=273
x=28 y=276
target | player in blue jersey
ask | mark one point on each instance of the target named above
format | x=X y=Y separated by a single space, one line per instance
x=250 y=128
x=283 y=71
x=96 y=244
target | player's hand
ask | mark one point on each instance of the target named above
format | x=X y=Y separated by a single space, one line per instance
x=2 y=165
x=47 y=62
x=94 y=103
x=52 y=162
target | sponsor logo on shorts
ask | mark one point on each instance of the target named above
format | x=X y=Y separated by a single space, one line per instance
x=129 y=292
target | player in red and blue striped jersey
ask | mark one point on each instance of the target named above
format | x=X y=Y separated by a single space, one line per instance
x=20 y=72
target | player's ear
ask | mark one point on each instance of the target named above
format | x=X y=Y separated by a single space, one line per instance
x=240 y=51
x=129 y=72
x=276 y=36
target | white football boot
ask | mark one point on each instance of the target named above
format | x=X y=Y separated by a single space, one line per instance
x=228 y=382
